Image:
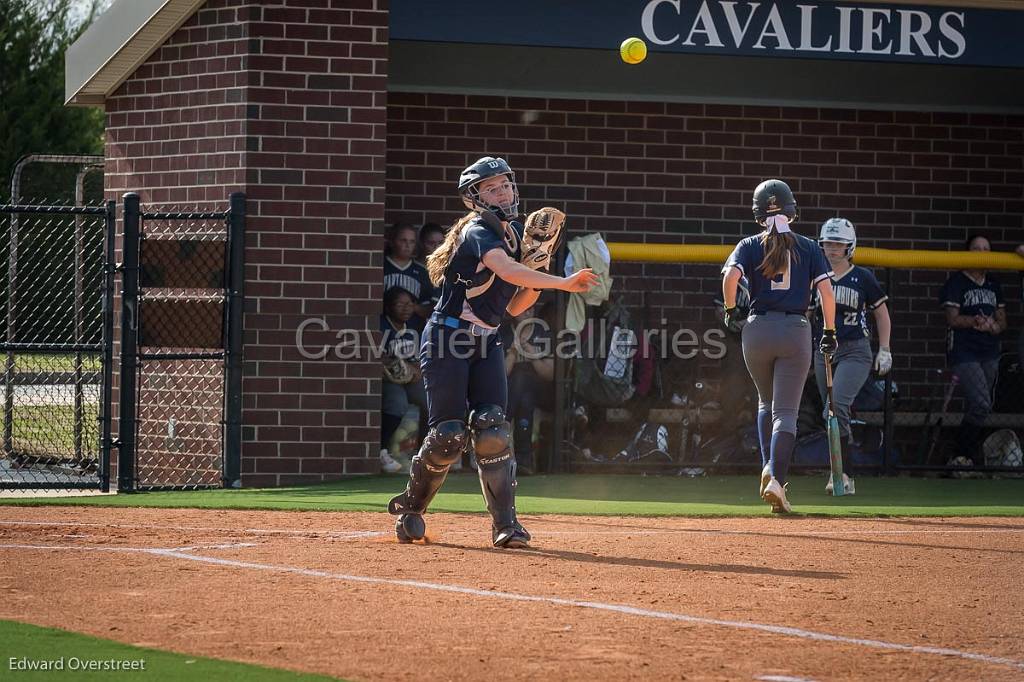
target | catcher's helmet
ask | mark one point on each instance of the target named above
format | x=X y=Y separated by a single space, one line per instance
x=774 y=197
x=480 y=170
x=839 y=230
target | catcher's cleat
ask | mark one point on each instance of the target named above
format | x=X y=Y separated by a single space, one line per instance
x=775 y=495
x=848 y=486
x=512 y=537
x=766 y=476
x=410 y=527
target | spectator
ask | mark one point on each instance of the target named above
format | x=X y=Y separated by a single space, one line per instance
x=976 y=316
x=530 y=367
x=431 y=236
x=402 y=384
x=400 y=270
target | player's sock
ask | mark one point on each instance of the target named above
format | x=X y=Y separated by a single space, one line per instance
x=783 y=443
x=764 y=434
x=847 y=462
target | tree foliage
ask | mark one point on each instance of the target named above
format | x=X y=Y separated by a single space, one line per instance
x=34 y=35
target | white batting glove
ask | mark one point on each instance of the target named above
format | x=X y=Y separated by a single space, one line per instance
x=883 y=361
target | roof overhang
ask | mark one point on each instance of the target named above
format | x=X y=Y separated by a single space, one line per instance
x=125 y=36
x=117 y=44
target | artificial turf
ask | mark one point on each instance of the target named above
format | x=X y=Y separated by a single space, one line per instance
x=595 y=494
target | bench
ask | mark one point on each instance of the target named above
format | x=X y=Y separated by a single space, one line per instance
x=996 y=420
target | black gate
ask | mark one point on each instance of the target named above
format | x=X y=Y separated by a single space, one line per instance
x=181 y=342
x=56 y=345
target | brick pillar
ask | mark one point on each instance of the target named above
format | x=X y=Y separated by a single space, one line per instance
x=315 y=172
x=285 y=103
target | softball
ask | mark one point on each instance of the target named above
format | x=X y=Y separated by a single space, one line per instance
x=633 y=50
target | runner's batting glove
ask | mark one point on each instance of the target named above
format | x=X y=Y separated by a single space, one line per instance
x=828 y=344
x=541 y=237
x=729 y=317
x=883 y=361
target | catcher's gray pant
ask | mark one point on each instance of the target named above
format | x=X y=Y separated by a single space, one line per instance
x=851 y=366
x=977 y=381
x=777 y=350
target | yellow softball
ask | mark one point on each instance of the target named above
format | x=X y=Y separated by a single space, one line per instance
x=633 y=50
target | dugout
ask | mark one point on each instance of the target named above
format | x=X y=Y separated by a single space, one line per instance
x=905 y=117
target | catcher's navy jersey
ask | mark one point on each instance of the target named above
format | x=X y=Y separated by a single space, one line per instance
x=856 y=293
x=971 y=298
x=790 y=291
x=470 y=290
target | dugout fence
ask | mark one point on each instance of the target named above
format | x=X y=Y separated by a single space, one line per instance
x=57 y=288
x=908 y=421
x=181 y=347
x=171 y=371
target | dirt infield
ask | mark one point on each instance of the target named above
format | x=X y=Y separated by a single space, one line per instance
x=597 y=598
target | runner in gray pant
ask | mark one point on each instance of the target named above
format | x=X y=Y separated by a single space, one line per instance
x=781 y=268
x=856 y=292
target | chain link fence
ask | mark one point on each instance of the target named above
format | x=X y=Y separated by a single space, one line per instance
x=181 y=347
x=55 y=335
x=700 y=415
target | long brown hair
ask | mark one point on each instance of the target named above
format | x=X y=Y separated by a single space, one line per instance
x=438 y=261
x=776 y=246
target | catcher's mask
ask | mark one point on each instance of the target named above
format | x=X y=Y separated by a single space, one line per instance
x=482 y=169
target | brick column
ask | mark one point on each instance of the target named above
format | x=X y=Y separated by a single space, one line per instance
x=285 y=102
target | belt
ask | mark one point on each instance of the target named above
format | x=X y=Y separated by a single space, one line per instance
x=459 y=323
x=779 y=312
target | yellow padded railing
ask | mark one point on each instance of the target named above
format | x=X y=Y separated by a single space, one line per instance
x=888 y=258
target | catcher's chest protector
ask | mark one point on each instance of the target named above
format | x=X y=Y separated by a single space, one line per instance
x=467 y=284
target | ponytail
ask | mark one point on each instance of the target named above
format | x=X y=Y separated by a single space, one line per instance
x=438 y=261
x=776 y=246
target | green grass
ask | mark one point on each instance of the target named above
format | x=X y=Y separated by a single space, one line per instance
x=50 y=430
x=611 y=495
x=53 y=362
x=21 y=641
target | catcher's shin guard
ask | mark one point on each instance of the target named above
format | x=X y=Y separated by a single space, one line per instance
x=443 y=445
x=497 y=469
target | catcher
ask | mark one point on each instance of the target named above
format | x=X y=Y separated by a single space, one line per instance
x=488 y=264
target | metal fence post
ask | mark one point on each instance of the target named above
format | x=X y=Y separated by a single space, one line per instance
x=107 y=341
x=558 y=462
x=887 y=416
x=233 y=347
x=129 y=344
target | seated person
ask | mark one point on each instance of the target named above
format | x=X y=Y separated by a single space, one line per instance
x=402 y=383
x=400 y=270
x=530 y=366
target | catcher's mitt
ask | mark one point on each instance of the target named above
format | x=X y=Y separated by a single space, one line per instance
x=541 y=237
x=397 y=370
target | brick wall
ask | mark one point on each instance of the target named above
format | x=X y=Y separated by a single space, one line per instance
x=284 y=101
x=684 y=173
